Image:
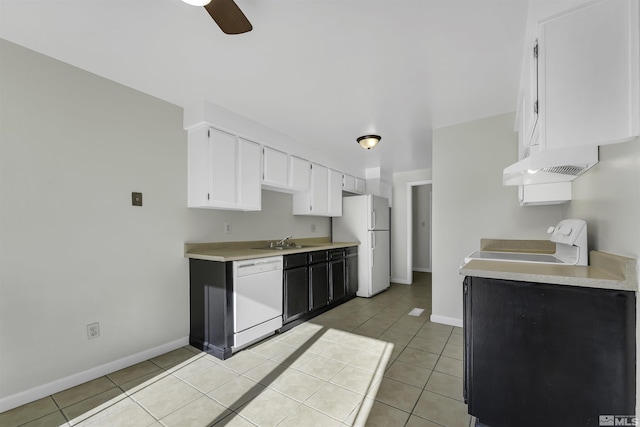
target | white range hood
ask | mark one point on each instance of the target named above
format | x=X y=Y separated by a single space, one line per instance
x=549 y=166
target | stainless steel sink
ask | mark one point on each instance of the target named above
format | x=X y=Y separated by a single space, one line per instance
x=281 y=248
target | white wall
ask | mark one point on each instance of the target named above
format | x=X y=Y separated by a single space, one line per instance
x=73 y=146
x=399 y=255
x=470 y=203
x=421 y=228
x=607 y=197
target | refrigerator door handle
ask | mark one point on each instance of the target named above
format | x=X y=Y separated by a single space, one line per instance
x=373 y=247
x=373 y=219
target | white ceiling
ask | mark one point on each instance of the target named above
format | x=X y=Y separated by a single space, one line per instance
x=321 y=71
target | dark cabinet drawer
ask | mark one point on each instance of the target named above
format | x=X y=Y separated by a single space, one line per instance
x=318 y=256
x=295 y=260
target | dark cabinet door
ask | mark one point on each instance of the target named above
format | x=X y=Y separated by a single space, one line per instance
x=337 y=271
x=319 y=285
x=296 y=293
x=351 y=275
x=541 y=354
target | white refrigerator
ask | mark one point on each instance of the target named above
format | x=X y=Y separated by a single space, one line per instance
x=365 y=219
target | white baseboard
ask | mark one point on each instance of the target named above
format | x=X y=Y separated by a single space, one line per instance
x=451 y=321
x=61 y=384
x=422 y=270
x=400 y=281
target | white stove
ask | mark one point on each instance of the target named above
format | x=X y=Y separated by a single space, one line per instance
x=570 y=237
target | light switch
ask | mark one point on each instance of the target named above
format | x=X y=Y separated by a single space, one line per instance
x=136 y=199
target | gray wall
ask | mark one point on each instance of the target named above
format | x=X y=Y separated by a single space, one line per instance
x=470 y=202
x=73 y=146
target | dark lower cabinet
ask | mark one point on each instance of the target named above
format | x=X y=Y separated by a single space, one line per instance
x=318 y=285
x=547 y=355
x=296 y=293
x=351 y=266
x=337 y=273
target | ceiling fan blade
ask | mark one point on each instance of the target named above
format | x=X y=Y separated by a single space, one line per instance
x=228 y=16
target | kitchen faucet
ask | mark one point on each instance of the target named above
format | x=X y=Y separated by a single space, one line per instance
x=284 y=242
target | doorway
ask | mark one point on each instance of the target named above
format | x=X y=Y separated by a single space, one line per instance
x=419 y=233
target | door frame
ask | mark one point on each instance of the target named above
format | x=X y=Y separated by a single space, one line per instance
x=409 y=235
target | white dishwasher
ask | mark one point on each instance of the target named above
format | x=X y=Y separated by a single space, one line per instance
x=257 y=299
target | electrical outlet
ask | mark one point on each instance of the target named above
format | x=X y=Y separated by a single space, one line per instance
x=313 y=228
x=227 y=228
x=93 y=330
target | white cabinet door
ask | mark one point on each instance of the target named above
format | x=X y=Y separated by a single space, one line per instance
x=335 y=193
x=224 y=171
x=349 y=183
x=299 y=174
x=589 y=81
x=275 y=168
x=319 y=189
x=249 y=164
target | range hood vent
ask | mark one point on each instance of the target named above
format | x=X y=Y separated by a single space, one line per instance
x=549 y=166
x=566 y=170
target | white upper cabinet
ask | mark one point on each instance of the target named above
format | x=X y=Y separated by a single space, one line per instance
x=589 y=75
x=299 y=174
x=224 y=171
x=351 y=184
x=324 y=197
x=275 y=168
x=335 y=193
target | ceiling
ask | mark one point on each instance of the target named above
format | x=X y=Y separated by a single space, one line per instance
x=320 y=71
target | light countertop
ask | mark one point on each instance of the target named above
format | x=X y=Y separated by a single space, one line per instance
x=606 y=271
x=235 y=251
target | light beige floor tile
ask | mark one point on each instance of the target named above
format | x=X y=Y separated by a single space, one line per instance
x=296 y=385
x=308 y=417
x=381 y=415
x=408 y=374
x=334 y=401
x=176 y=358
x=442 y=410
x=125 y=413
x=446 y=385
x=405 y=328
x=356 y=379
x=201 y=412
x=301 y=339
x=396 y=337
x=266 y=372
x=29 y=412
x=243 y=361
x=55 y=419
x=144 y=382
x=437 y=327
x=83 y=391
x=166 y=396
x=268 y=409
x=433 y=334
x=193 y=349
x=456 y=339
x=371 y=361
x=295 y=357
x=454 y=351
x=426 y=344
x=91 y=406
x=458 y=331
x=236 y=392
x=134 y=372
x=419 y=358
x=372 y=331
x=450 y=366
x=340 y=352
x=269 y=349
x=234 y=420
x=415 y=421
x=398 y=394
x=205 y=375
x=322 y=367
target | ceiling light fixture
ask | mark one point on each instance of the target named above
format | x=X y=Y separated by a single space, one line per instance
x=197 y=2
x=369 y=141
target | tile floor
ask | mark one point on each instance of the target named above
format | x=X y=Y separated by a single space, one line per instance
x=366 y=362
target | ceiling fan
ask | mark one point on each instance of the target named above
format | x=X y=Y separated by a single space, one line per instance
x=227 y=15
